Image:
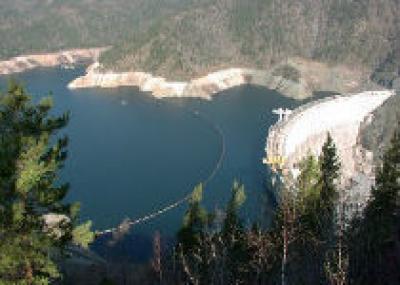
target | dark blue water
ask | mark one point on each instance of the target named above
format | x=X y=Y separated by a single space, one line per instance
x=130 y=154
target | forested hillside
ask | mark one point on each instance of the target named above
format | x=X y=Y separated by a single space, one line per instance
x=260 y=32
x=48 y=25
x=179 y=39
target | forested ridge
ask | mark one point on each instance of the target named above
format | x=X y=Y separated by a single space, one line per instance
x=50 y=25
x=259 y=33
x=181 y=39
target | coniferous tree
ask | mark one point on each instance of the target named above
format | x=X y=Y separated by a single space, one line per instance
x=306 y=246
x=308 y=197
x=329 y=168
x=307 y=183
x=35 y=223
x=233 y=237
x=194 y=221
x=315 y=220
x=375 y=237
x=213 y=256
x=232 y=226
x=191 y=252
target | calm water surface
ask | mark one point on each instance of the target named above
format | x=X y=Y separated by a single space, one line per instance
x=130 y=154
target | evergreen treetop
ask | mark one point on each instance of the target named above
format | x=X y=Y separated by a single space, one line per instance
x=35 y=222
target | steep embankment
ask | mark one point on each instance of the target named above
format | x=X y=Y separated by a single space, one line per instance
x=377 y=130
x=297 y=78
x=69 y=57
x=305 y=130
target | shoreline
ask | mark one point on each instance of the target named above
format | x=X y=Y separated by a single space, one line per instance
x=313 y=76
x=23 y=63
x=202 y=87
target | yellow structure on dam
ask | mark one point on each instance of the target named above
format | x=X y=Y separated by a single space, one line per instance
x=276 y=162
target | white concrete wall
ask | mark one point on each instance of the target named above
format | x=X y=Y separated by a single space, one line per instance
x=306 y=129
x=329 y=115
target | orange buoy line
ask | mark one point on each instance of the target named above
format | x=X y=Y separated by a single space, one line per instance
x=127 y=223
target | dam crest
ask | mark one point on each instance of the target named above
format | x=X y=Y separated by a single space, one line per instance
x=305 y=130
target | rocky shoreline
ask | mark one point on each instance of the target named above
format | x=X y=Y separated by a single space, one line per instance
x=203 y=87
x=314 y=76
x=68 y=57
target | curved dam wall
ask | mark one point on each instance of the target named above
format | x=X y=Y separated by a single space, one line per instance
x=305 y=130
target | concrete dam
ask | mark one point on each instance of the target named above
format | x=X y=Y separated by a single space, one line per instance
x=304 y=132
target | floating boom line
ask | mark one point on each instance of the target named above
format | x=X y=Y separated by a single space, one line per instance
x=128 y=223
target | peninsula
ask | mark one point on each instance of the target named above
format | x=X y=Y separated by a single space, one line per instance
x=297 y=78
x=203 y=87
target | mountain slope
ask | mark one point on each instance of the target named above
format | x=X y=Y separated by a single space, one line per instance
x=180 y=39
x=377 y=134
x=50 y=25
x=259 y=33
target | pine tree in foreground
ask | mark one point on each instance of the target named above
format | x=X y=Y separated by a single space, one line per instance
x=233 y=237
x=194 y=221
x=209 y=253
x=375 y=237
x=306 y=219
x=35 y=223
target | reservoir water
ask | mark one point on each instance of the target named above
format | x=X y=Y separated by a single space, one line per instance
x=131 y=154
